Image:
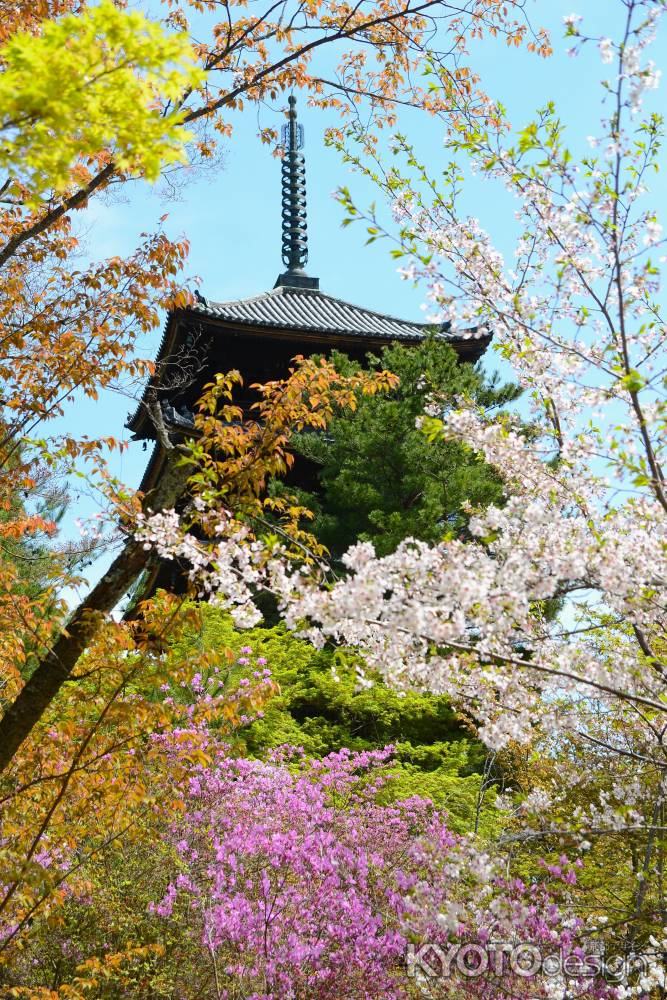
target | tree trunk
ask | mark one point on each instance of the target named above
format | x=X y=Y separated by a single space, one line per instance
x=56 y=666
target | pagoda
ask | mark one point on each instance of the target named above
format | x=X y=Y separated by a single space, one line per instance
x=259 y=336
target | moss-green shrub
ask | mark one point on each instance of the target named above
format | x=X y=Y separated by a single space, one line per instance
x=321 y=710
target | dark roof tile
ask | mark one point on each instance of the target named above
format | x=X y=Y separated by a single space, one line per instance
x=311 y=310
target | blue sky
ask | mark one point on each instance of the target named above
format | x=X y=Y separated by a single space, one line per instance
x=232 y=218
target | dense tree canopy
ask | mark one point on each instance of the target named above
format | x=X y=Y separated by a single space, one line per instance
x=381 y=480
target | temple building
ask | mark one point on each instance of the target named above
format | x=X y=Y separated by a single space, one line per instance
x=260 y=335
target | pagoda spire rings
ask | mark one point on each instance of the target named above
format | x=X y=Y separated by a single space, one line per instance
x=294 y=211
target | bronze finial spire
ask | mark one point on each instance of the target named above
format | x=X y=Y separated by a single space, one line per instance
x=295 y=224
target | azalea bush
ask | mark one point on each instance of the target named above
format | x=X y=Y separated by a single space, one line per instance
x=296 y=882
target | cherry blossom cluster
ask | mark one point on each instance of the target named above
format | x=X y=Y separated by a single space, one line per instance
x=223 y=573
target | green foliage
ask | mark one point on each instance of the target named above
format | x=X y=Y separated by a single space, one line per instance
x=34 y=558
x=103 y=941
x=91 y=82
x=321 y=709
x=381 y=479
x=31 y=557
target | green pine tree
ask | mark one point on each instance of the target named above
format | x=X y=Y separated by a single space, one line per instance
x=380 y=479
